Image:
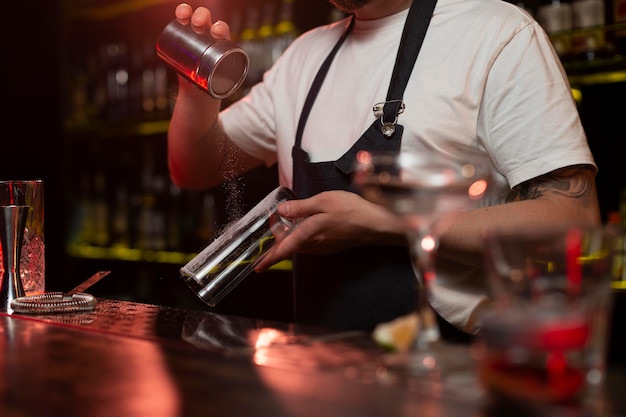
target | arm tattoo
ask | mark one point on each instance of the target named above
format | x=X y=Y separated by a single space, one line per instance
x=572 y=181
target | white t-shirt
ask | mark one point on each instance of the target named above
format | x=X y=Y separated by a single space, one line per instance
x=486 y=76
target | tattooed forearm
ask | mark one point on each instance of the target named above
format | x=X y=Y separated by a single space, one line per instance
x=572 y=181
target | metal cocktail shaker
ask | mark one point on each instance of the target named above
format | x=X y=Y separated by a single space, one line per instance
x=216 y=66
x=12 y=225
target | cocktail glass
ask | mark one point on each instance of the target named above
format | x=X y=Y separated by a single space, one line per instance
x=426 y=190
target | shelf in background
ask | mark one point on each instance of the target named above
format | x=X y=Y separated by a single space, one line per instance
x=105 y=10
x=599 y=78
x=128 y=254
x=141 y=255
x=604 y=66
x=104 y=130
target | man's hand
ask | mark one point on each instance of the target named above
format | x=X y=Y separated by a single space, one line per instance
x=333 y=221
x=200 y=20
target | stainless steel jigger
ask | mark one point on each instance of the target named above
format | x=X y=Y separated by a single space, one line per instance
x=12 y=225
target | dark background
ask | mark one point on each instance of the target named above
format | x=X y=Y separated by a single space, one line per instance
x=32 y=136
x=33 y=139
x=34 y=145
x=33 y=142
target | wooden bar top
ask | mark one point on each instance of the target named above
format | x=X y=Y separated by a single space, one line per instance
x=132 y=359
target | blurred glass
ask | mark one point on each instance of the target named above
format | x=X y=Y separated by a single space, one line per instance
x=546 y=337
x=426 y=190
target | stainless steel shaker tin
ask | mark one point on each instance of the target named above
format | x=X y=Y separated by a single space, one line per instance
x=216 y=66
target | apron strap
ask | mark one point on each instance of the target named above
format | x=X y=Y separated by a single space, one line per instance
x=317 y=84
x=413 y=35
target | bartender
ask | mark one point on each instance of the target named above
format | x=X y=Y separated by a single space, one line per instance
x=481 y=73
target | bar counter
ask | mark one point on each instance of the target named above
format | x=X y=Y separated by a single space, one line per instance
x=134 y=359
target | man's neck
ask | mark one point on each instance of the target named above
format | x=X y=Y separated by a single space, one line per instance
x=381 y=8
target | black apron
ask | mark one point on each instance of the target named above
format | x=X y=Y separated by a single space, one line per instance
x=360 y=287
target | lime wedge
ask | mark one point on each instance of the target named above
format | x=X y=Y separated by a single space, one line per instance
x=397 y=335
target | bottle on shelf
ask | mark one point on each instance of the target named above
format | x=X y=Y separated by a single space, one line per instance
x=251 y=43
x=173 y=218
x=621 y=217
x=615 y=226
x=235 y=21
x=100 y=207
x=117 y=80
x=557 y=18
x=267 y=35
x=619 y=17
x=120 y=219
x=151 y=222
x=285 y=30
x=82 y=229
x=589 y=40
x=267 y=32
x=622 y=207
x=205 y=228
x=149 y=83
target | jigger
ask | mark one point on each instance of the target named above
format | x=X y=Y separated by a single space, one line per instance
x=12 y=225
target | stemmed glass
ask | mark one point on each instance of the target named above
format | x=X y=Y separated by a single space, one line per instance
x=426 y=190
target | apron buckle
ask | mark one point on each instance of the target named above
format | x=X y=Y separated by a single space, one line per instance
x=379 y=107
x=387 y=128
